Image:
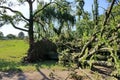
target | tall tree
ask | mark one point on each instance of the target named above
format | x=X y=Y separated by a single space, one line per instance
x=18 y=17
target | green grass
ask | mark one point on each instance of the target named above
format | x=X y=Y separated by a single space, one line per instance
x=11 y=53
x=13 y=49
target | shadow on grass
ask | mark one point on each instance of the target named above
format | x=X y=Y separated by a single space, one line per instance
x=9 y=69
x=6 y=65
x=47 y=64
x=42 y=64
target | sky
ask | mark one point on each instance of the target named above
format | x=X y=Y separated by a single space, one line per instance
x=8 y=29
x=102 y=4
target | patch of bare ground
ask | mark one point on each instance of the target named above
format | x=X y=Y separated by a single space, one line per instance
x=48 y=74
x=41 y=74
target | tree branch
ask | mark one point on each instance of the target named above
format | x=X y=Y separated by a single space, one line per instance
x=17 y=27
x=107 y=13
x=10 y=20
x=85 y=46
x=41 y=23
x=42 y=8
x=14 y=11
x=97 y=47
x=45 y=7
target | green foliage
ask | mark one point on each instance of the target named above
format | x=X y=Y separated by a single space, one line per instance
x=11 y=36
x=84 y=26
x=55 y=19
x=115 y=17
x=1 y=35
x=65 y=58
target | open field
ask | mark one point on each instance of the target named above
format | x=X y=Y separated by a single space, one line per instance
x=13 y=50
x=11 y=54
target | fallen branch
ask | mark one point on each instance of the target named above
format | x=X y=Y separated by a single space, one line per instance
x=99 y=63
x=85 y=46
x=97 y=47
x=107 y=14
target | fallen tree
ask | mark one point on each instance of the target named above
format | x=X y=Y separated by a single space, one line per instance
x=104 y=42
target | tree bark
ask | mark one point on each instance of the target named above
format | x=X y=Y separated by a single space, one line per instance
x=30 y=31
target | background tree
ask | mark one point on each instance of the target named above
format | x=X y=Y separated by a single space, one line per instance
x=11 y=36
x=21 y=35
x=1 y=35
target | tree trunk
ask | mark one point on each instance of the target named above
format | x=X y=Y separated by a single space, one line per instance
x=30 y=32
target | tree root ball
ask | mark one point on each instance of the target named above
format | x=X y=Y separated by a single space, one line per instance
x=42 y=50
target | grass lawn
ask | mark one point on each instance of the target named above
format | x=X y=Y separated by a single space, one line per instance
x=11 y=53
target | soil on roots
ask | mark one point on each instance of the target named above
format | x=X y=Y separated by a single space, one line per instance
x=42 y=50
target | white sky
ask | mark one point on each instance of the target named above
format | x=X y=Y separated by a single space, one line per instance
x=8 y=29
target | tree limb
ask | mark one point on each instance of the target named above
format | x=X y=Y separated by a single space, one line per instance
x=107 y=13
x=45 y=7
x=99 y=50
x=42 y=8
x=14 y=11
x=41 y=23
x=85 y=46
x=10 y=20
x=97 y=47
x=17 y=27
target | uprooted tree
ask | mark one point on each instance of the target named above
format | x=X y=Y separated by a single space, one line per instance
x=97 y=40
